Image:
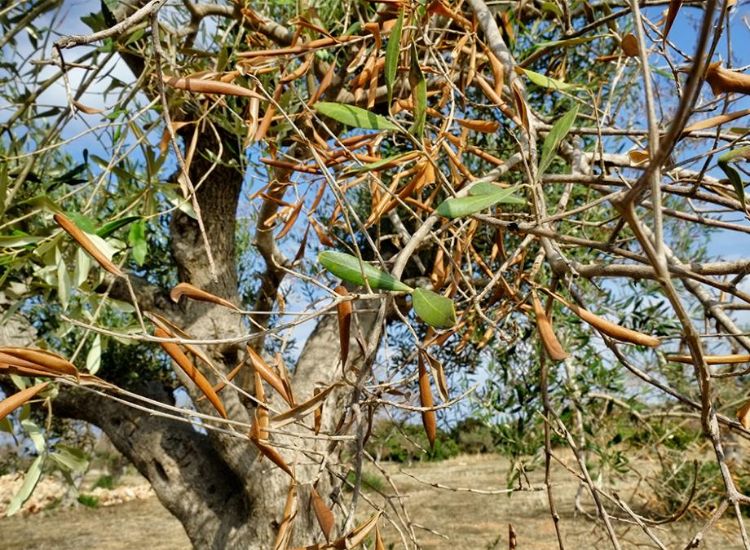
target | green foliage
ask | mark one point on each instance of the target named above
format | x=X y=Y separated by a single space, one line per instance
x=408 y=443
x=89 y=501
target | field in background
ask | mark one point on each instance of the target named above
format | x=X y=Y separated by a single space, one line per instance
x=442 y=518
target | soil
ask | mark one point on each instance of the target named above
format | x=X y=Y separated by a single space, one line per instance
x=441 y=518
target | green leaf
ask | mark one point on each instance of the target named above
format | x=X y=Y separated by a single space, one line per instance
x=110 y=227
x=568 y=41
x=465 y=206
x=556 y=134
x=70 y=458
x=35 y=434
x=350 y=269
x=137 y=240
x=743 y=153
x=736 y=180
x=29 y=482
x=548 y=82
x=434 y=309
x=371 y=166
x=18 y=239
x=94 y=356
x=392 y=54
x=418 y=85
x=354 y=116
x=552 y=8
x=83 y=222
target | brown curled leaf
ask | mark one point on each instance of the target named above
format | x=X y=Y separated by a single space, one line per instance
x=267 y=374
x=743 y=415
x=261 y=413
x=86 y=243
x=429 y=418
x=379 y=545
x=357 y=535
x=200 y=86
x=714 y=121
x=629 y=45
x=303 y=409
x=614 y=330
x=182 y=360
x=284 y=535
x=725 y=80
x=42 y=359
x=731 y=359
x=271 y=453
x=195 y=293
x=344 y=311
x=485 y=126
x=10 y=404
x=547 y=334
x=323 y=514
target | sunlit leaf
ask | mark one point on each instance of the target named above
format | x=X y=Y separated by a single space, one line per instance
x=29 y=482
x=556 y=135
x=434 y=309
x=350 y=269
x=354 y=116
x=546 y=81
x=485 y=196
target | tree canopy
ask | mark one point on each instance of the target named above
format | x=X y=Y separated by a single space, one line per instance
x=236 y=235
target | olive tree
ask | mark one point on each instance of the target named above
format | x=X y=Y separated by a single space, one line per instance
x=249 y=228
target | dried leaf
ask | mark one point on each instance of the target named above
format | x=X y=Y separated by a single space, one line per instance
x=638 y=157
x=9 y=404
x=486 y=126
x=743 y=415
x=323 y=514
x=438 y=373
x=357 y=535
x=174 y=351
x=272 y=454
x=379 y=545
x=629 y=45
x=86 y=243
x=267 y=374
x=614 y=330
x=303 y=409
x=344 y=311
x=86 y=109
x=716 y=121
x=195 y=293
x=261 y=413
x=418 y=85
x=209 y=87
x=429 y=418
x=550 y=342
x=724 y=80
x=731 y=359
x=290 y=511
x=42 y=359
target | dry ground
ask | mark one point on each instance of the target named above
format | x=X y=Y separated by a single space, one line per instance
x=443 y=519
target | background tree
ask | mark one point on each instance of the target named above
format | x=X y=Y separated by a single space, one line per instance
x=526 y=181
